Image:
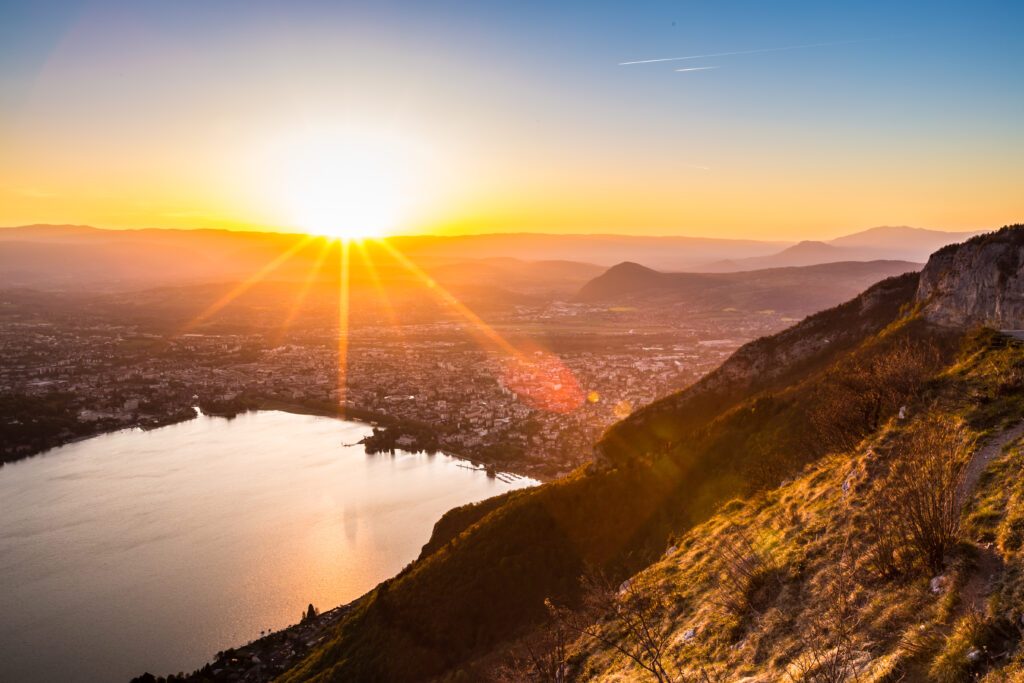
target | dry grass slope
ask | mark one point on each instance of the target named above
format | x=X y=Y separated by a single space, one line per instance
x=789 y=584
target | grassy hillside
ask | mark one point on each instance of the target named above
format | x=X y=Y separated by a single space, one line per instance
x=778 y=405
x=808 y=581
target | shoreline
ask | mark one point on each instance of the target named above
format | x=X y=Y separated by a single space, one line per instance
x=165 y=421
x=317 y=411
x=362 y=416
x=268 y=656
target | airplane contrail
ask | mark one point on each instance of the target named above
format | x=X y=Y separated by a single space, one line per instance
x=698 y=68
x=742 y=52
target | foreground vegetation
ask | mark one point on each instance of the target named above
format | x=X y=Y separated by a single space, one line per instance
x=876 y=564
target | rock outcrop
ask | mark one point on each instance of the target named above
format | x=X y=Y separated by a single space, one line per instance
x=977 y=282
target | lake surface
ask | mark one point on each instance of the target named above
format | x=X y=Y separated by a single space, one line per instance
x=138 y=551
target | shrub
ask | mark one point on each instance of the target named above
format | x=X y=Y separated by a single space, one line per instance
x=746 y=580
x=916 y=512
x=974 y=645
x=831 y=651
x=628 y=620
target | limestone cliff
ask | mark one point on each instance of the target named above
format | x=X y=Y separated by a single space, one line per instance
x=977 y=282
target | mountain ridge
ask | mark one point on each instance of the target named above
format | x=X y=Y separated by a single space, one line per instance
x=977 y=282
x=796 y=290
x=661 y=252
x=902 y=243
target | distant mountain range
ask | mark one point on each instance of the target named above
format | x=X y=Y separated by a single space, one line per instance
x=795 y=291
x=65 y=256
x=900 y=243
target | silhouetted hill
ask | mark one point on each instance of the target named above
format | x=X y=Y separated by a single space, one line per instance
x=624 y=278
x=803 y=253
x=810 y=252
x=796 y=291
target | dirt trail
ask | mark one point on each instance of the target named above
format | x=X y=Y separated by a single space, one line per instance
x=983 y=457
x=990 y=564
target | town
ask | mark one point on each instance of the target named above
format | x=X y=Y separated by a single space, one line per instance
x=531 y=405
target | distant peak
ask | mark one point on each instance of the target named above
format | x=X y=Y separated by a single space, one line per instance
x=814 y=246
x=629 y=265
x=896 y=228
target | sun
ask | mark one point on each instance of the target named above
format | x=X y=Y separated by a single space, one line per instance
x=349 y=188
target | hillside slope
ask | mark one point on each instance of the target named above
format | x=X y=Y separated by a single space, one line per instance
x=489 y=582
x=824 y=435
x=816 y=581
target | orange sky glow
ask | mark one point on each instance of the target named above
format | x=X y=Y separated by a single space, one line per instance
x=345 y=121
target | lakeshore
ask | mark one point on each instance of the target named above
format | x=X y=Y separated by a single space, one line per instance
x=180 y=542
x=232 y=409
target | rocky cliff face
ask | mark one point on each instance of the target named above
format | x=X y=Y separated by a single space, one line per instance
x=977 y=282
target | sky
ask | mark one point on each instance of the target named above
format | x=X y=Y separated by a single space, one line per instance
x=781 y=120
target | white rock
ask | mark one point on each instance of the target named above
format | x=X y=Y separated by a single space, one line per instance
x=978 y=282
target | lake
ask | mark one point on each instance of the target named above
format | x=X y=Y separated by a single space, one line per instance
x=138 y=551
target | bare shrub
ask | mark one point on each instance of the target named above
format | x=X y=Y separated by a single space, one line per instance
x=745 y=577
x=627 y=620
x=861 y=393
x=917 y=507
x=542 y=658
x=831 y=652
x=887 y=557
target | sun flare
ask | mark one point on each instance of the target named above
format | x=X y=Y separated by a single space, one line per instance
x=348 y=188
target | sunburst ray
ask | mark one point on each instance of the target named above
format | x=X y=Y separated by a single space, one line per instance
x=244 y=286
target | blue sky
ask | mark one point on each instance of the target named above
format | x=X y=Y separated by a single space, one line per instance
x=886 y=105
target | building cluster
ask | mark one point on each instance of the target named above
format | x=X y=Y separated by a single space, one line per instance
x=509 y=405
